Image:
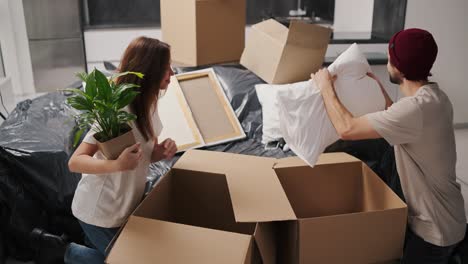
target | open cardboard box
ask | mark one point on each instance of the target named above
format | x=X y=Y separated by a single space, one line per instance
x=280 y=55
x=345 y=213
x=217 y=207
x=203 y=32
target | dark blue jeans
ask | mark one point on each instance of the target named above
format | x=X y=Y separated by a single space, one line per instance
x=418 y=251
x=98 y=237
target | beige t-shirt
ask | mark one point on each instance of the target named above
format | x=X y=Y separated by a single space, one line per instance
x=421 y=128
x=107 y=200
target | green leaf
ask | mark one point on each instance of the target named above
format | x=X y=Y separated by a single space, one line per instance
x=91 y=88
x=138 y=74
x=78 y=92
x=126 y=98
x=104 y=89
x=125 y=117
x=103 y=105
x=120 y=89
x=77 y=137
x=82 y=75
x=80 y=103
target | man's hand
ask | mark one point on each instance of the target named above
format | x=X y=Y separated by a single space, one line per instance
x=388 y=100
x=373 y=76
x=323 y=79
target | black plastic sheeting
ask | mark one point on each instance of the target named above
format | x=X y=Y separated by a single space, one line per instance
x=36 y=187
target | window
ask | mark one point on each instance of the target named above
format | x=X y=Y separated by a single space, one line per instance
x=124 y=13
x=364 y=21
x=121 y=13
x=258 y=10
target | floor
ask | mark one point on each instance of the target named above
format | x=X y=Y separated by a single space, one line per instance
x=461 y=136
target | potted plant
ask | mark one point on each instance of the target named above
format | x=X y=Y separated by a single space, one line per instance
x=101 y=104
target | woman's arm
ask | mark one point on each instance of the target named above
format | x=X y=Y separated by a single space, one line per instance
x=82 y=160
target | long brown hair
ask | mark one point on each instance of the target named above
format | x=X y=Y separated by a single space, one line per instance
x=152 y=58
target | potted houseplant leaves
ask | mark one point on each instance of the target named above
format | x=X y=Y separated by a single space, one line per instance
x=102 y=105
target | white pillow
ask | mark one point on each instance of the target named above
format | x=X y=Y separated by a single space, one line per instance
x=356 y=90
x=304 y=122
x=266 y=94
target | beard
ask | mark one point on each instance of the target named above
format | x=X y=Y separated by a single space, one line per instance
x=395 y=79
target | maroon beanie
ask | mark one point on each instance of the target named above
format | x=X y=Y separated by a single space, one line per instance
x=413 y=52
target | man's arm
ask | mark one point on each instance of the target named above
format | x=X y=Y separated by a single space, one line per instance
x=388 y=100
x=347 y=126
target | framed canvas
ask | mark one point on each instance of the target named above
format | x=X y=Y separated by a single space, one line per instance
x=195 y=112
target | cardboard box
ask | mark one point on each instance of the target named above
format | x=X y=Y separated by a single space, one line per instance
x=217 y=207
x=204 y=32
x=280 y=55
x=188 y=218
x=345 y=213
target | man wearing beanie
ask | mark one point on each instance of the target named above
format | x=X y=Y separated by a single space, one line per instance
x=420 y=126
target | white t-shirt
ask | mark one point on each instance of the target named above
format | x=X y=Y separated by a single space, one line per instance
x=107 y=200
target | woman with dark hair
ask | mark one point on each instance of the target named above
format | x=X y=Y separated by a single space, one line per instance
x=111 y=189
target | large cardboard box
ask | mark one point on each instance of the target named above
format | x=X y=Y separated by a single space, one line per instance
x=280 y=55
x=344 y=213
x=204 y=32
x=220 y=208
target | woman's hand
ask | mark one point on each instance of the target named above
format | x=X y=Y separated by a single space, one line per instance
x=129 y=158
x=165 y=150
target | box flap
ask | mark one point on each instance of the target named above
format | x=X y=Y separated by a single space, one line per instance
x=273 y=28
x=325 y=158
x=366 y=237
x=308 y=35
x=146 y=241
x=377 y=194
x=263 y=49
x=266 y=239
x=303 y=53
x=255 y=190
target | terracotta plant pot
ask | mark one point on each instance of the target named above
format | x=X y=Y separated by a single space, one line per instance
x=112 y=148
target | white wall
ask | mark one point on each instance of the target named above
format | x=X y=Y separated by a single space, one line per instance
x=15 y=46
x=448 y=22
x=6 y=92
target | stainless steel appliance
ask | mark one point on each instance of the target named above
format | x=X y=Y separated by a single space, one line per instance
x=55 y=42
